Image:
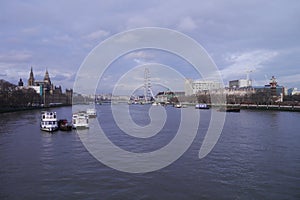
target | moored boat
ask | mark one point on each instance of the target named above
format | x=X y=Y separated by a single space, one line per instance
x=91 y=112
x=178 y=105
x=230 y=109
x=201 y=106
x=80 y=120
x=48 y=121
x=64 y=125
x=233 y=110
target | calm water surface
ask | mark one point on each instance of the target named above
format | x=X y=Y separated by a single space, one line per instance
x=256 y=157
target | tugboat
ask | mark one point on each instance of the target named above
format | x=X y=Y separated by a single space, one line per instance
x=48 y=121
x=80 y=120
x=64 y=125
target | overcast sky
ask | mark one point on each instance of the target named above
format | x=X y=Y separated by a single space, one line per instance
x=261 y=36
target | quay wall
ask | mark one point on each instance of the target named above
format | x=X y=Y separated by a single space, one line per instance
x=291 y=108
x=17 y=109
x=271 y=107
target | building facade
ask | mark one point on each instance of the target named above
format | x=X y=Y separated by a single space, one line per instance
x=293 y=91
x=194 y=86
x=241 y=83
x=49 y=93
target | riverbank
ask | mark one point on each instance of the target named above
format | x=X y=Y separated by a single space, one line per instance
x=290 y=108
x=26 y=108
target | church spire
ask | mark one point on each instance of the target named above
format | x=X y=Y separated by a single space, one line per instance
x=31 y=78
x=47 y=78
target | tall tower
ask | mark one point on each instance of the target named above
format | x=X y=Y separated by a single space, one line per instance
x=31 y=78
x=47 y=80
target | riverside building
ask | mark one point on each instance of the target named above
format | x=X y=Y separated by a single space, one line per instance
x=49 y=93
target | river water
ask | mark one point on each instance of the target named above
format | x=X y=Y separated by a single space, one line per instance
x=256 y=157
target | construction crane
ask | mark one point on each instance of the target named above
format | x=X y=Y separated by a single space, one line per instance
x=248 y=74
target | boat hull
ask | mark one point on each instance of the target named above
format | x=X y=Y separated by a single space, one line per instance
x=65 y=128
x=80 y=126
x=49 y=129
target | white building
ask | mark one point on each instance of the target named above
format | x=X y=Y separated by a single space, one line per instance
x=241 y=83
x=293 y=91
x=195 y=86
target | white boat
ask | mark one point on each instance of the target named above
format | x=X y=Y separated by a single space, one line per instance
x=80 y=120
x=91 y=112
x=201 y=106
x=48 y=121
x=155 y=104
x=178 y=105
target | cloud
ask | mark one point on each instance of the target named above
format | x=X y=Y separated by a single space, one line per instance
x=63 y=38
x=15 y=56
x=289 y=79
x=140 y=57
x=99 y=34
x=187 y=24
x=139 y=54
x=31 y=31
x=239 y=63
x=139 y=21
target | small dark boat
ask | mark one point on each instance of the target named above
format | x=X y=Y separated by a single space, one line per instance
x=233 y=110
x=64 y=125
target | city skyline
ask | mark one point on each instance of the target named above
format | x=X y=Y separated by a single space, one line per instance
x=31 y=80
x=239 y=37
